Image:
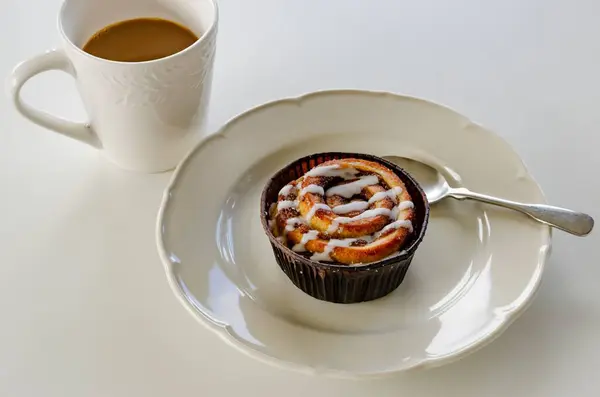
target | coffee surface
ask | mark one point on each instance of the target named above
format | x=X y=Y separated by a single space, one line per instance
x=139 y=40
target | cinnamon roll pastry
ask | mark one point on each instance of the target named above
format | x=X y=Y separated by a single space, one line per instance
x=344 y=227
x=347 y=211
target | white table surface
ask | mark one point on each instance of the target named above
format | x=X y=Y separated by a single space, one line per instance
x=85 y=307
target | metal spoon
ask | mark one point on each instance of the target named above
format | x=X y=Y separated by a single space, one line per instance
x=437 y=188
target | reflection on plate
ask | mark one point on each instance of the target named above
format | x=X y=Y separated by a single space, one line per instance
x=475 y=271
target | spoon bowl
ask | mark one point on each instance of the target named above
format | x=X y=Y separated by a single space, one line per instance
x=433 y=182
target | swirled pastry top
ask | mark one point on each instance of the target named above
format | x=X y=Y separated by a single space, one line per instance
x=349 y=211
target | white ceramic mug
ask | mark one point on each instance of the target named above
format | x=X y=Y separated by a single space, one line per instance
x=144 y=116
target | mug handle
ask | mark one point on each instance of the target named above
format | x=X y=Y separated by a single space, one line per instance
x=51 y=60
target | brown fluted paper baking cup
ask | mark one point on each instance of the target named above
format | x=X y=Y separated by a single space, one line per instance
x=337 y=282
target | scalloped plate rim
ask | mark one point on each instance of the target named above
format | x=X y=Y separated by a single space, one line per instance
x=225 y=332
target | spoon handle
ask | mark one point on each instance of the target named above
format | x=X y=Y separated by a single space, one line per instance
x=576 y=223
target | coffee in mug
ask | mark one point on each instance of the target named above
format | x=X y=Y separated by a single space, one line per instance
x=143 y=70
x=140 y=40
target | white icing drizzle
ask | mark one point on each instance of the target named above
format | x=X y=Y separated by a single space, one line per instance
x=333 y=171
x=395 y=225
x=392 y=194
x=322 y=170
x=306 y=237
x=401 y=207
x=314 y=210
x=350 y=189
x=351 y=207
x=326 y=254
x=406 y=205
x=286 y=204
x=367 y=214
x=395 y=212
x=316 y=189
x=333 y=227
x=287 y=189
x=335 y=224
x=291 y=223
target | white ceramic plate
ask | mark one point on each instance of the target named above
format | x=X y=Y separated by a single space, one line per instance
x=475 y=272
